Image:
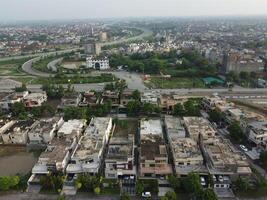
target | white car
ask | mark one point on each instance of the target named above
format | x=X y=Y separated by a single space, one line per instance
x=146 y=194
x=220 y=178
x=202 y=181
x=243 y=147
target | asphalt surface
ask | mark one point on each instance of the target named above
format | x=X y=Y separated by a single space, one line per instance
x=145 y=33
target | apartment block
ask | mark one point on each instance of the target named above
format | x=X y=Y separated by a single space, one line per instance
x=44 y=130
x=17 y=132
x=153 y=152
x=198 y=127
x=35 y=99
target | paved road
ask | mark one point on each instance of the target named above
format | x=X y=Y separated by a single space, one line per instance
x=27 y=67
x=29 y=196
x=145 y=33
x=40 y=54
x=133 y=80
x=53 y=64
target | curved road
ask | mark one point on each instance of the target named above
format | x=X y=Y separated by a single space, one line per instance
x=27 y=67
x=146 y=33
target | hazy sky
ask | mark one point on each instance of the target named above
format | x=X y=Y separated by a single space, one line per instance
x=76 y=9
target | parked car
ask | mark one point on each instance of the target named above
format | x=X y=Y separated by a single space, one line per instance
x=243 y=147
x=202 y=181
x=146 y=194
x=220 y=178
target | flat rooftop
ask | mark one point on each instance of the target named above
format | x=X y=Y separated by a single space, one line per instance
x=150 y=127
x=97 y=126
x=199 y=125
x=45 y=125
x=174 y=127
x=88 y=146
x=260 y=127
x=72 y=127
x=152 y=146
x=120 y=148
x=56 y=151
x=20 y=127
x=185 y=148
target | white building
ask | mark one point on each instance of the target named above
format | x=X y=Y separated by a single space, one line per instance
x=17 y=133
x=257 y=132
x=88 y=155
x=8 y=100
x=35 y=99
x=98 y=64
x=150 y=97
x=44 y=130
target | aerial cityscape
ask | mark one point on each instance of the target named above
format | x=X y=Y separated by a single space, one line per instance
x=129 y=100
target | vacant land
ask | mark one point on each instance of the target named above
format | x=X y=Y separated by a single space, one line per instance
x=12 y=67
x=176 y=82
x=125 y=127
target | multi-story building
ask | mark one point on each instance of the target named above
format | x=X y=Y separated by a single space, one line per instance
x=17 y=133
x=126 y=97
x=257 y=132
x=222 y=158
x=199 y=127
x=119 y=161
x=153 y=152
x=88 y=155
x=149 y=97
x=70 y=100
x=8 y=100
x=35 y=99
x=44 y=130
x=185 y=151
x=111 y=96
x=97 y=64
x=89 y=99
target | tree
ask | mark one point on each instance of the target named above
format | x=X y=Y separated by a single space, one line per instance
x=125 y=196
x=192 y=108
x=242 y=184
x=208 y=194
x=133 y=108
x=244 y=75
x=263 y=157
x=179 y=110
x=174 y=182
x=136 y=95
x=215 y=115
x=97 y=190
x=8 y=182
x=18 y=110
x=61 y=198
x=148 y=108
x=23 y=88
x=170 y=195
x=139 y=187
x=192 y=184
x=88 y=182
x=236 y=132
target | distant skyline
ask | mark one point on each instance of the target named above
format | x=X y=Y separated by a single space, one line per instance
x=14 y=10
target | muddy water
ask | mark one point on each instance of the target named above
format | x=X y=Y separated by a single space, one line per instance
x=14 y=160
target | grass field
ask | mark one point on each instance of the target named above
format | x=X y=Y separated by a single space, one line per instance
x=125 y=127
x=12 y=67
x=172 y=83
x=41 y=65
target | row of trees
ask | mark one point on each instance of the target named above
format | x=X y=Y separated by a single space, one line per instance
x=19 y=111
x=86 y=182
x=86 y=112
x=189 y=108
x=153 y=63
x=191 y=185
